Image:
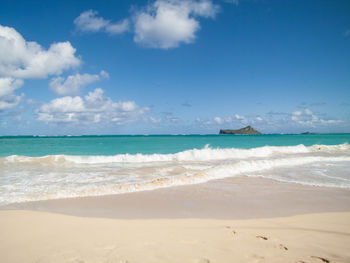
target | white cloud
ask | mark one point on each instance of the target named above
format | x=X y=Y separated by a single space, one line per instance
x=169 y=116
x=162 y=24
x=118 y=28
x=231 y=120
x=167 y=23
x=297 y=113
x=92 y=108
x=8 y=98
x=155 y=120
x=308 y=118
x=26 y=59
x=238 y=117
x=308 y=112
x=72 y=84
x=242 y=119
x=88 y=21
x=218 y=120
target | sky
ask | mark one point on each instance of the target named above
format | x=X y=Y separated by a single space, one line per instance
x=174 y=66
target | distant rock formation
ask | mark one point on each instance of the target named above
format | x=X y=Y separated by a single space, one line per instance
x=307 y=133
x=245 y=130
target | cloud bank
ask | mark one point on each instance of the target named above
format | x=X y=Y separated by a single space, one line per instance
x=92 y=108
x=308 y=118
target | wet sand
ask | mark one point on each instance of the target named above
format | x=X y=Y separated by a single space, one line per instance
x=231 y=198
x=230 y=220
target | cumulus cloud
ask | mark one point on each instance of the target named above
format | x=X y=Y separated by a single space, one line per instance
x=8 y=99
x=92 y=108
x=89 y=21
x=236 y=119
x=73 y=83
x=161 y=24
x=118 y=28
x=170 y=117
x=155 y=120
x=274 y=121
x=218 y=120
x=26 y=59
x=168 y=23
x=308 y=118
x=242 y=119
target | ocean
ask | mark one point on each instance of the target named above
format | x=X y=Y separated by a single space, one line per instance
x=43 y=167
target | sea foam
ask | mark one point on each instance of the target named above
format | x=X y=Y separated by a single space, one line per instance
x=206 y=154
x=26 y=178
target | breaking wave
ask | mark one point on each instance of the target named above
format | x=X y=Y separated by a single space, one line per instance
x=25 y=178
x=206 y=154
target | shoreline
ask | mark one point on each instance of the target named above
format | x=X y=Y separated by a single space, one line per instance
x=229 y=220
x=229 y=198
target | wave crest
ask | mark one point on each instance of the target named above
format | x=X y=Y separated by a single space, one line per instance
x=62 y=176
x=205 y=154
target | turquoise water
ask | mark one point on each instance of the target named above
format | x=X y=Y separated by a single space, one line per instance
x=40 y=168
x=161 y=144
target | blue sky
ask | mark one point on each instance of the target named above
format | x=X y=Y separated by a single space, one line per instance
x=171 y=66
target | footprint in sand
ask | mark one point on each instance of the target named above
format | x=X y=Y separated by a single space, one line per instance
x=322 y=259
x=233 y=232
x=282 y=247
x=262 y=237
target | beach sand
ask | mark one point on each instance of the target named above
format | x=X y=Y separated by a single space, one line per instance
x=230 y=198
x=231 y=220
x=28 y=236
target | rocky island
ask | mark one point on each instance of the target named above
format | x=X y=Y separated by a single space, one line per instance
x=245 y=130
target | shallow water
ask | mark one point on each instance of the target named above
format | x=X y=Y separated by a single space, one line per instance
x=39 y=168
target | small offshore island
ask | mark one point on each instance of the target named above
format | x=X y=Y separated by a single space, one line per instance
x=245 y=130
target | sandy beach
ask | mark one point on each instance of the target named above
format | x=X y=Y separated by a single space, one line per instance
x=175 y=131
x=230 y=198
x=44 y=237
x=195 y=223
